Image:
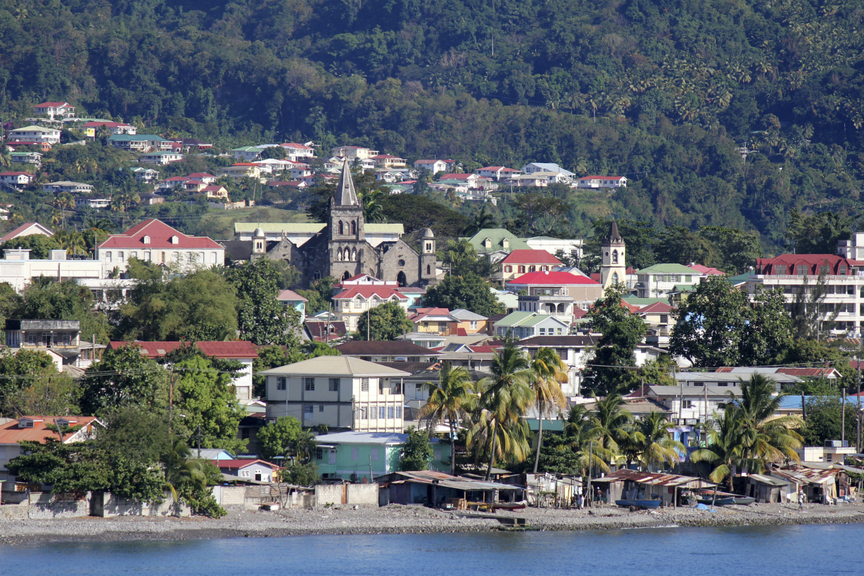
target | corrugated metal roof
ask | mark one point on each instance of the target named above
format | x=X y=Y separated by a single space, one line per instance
x=655 y=479
x=769 y=480
x=447 y=481
x=802 y=475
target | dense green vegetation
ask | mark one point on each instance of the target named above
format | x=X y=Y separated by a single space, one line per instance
x=662 y=91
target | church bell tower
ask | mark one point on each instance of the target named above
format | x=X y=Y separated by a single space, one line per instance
x=613 y=269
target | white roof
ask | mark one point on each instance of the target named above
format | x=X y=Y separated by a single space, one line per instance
x=336 y=366
x=381 y=438
x=465 y=315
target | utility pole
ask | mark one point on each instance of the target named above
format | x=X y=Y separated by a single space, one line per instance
x=170 y=400
x=368 y=322
x=589 y=495
x=843 y=420
x=858 y=411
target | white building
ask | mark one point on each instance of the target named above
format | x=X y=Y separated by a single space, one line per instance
x=355 y=301
x=52 y=109
x=602 y=182
x=161 y=158
x=660 y=280
x=341 y=392
x=34 y=134
x=64 y=186
x=154 y=241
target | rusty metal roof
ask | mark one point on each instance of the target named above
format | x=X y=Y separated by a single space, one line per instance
x=655 y=479
x=804 y=475
x=448 y=481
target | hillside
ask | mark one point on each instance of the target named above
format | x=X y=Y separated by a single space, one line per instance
x=662 y=91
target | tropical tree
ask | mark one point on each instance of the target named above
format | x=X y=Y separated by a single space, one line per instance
x=724 y=447
x=581 y=434
x=181 y=470
x=654 y=442
x=611 y=422
x=452 y=398
x=504 y=396
x=548 y=372
x=766 y=438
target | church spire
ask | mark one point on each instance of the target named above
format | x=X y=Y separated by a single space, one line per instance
x=346 y=195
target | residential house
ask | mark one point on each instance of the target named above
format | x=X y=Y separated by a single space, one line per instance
x=154 y=241
x=60 y=337
x=471 y=180
x=496 y=173
x=469 y=322
x=496 y=243
x=291 y=299
x=555 y=293
x=26 y=229
x=36 y=134
x=527 y=324
x=834 y=452
x=355 y=301
x=240 y=351
x=139 y=142
x=575 y=351
x=66 y=187
x=388 y=161
x=19 y=270
x=52 y=109
x=362 y=456
x=706 y=270
x=441 y=490
x=215 y=192
x=433 y=166
x=151 y=199
x=145 y=174
x=661 y=280
x=188 y=144
x=659 y=320
x=298 y=152
x=325 y=330
x=354 y=153
x=690 y=405
x=16 y=179
x=34 y=158
x=602 y=182
x=571 y=248
x=91 y=128
x=203 y=177
x=241 y=170
x=520 y=262
x=161 y=158
x=248 y=469
x=546 y=167
x=340 y=392
x=434 y=321
x=247 y=153
x=388 y=352
x=92 y=202
x=35 y=429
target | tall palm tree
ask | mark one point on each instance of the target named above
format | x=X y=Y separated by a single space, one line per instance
x=655 y=443
x=181 y=470
x=611 y=422
x=765 y=438
x=724 y=449
x=581 y=435
x=547 y=374
x=452 y=398
x=504 y=396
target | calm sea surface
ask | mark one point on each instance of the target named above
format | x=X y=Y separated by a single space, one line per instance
x=775 y=551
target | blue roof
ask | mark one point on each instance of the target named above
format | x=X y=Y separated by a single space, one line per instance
x=794 y=401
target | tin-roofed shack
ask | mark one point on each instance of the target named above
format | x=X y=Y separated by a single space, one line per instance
x=440 y=490
x=628 y=484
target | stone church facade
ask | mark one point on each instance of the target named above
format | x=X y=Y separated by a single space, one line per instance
x=341 y=250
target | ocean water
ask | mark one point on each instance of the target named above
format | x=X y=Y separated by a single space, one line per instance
x=763 y=551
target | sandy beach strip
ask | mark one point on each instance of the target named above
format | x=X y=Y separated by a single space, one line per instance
x=395 y=519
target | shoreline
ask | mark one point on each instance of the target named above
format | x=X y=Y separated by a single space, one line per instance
x=397 y=519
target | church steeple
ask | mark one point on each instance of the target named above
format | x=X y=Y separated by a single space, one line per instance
x=613 y=269
x=346 y=195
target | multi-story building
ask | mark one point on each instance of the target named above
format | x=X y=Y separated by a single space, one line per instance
x=355 y=301
x=67 y=187
x=52 y=109
x=520 y=262
x=340 y=392
x=555 y=293
x=661 y=280
x=36 y=134
x=354 y=153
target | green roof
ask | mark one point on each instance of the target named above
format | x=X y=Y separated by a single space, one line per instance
x=740 y=279
x=539 y=319
x=136 y=138
x=514 y=319
x=685 y=287
x=669 y=269
x=34 y=128
x=384 y=228
x=644 y=301
x=496 y=235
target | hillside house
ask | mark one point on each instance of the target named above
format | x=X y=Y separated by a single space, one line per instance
x=53 y=109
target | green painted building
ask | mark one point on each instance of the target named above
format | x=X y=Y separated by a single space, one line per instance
x=359 y=456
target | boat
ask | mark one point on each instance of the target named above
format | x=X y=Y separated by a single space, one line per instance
x=639 y=504
x=725 y=499
x=509 y=506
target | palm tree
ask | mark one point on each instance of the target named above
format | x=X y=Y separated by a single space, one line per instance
x=181 y=470
x=724 y=447
x=548 y=372
x=373 y=209
x=451 y=398
x=766 y=439
x=504 y=396
x=581 y=434
x=611 y=422
x=654 y=441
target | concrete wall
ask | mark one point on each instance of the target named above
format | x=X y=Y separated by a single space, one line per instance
x=346 y=495
x=229 y=495
x=46 y=506
x=107 y=505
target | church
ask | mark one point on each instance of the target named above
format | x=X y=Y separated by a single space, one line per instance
x=340 y=247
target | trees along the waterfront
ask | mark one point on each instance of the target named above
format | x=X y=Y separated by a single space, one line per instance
x=504 y=396
x=452 y=398
x=654 y=441
x=611 y=422
x=547 y=374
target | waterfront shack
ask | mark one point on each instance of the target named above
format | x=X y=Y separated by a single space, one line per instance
x=626 y=484
x=437 y=489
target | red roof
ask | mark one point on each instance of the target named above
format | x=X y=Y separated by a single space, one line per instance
x=707 y=271
x=19 y=231
x=200 y=175
x=231 y=349
x=531 y=257
x=455 y=176
x=579 y=313
x=422 y=313
x=15 y=174
x=160 y=237
x=290 y=295
x=106 y=124
x=551 y=278
x=295 y=145
x=794 y=264
x=655 y=308
x=52 y=104
x=384 y=292
x=11 y=433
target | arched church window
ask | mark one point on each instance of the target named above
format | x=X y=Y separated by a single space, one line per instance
x=615 y=278
x=401 y=262
x=339 y=253
x=614 y=256
x=353 y=253
x=353 y=227
x=341 y=227
x=428 y=270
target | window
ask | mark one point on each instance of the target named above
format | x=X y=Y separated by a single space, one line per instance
x=398 y=412
x=358 y=303
x=842 y=270
x=382 y=386
x=309 y=384
x=687 y=404
x=382 y=412
x=308 y=411
x=355 y=453
x=373 y=454
x=133 y=254
x=364 y=385
x=521 y=269
x=147 y=255
x=473 y=324
x=319 y=453
x=542 y=331
x=108 y=256
x=146 y=239
x=334 y=384
x=281 y=383
x=391 y=412
x=508 y=268
x=175 y=257
x=320 y=408
x=364 y=413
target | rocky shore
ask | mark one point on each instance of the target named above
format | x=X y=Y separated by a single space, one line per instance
x=407 y=519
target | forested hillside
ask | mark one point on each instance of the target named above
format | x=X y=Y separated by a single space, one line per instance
x=661 y=91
